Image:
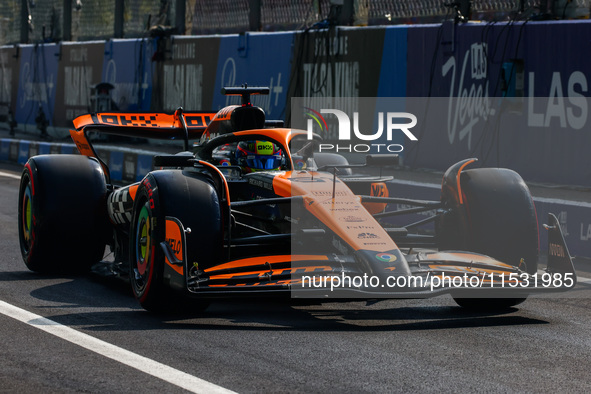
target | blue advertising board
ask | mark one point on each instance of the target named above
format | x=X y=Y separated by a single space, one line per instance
x=557 y=59
x=258 y=59
x=511 y=94
x=127 y=66
x=393 y=68
x=392 y=79
x=449 y=60
x=37 y=82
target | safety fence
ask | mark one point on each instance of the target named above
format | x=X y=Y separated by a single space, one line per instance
x=36 y=21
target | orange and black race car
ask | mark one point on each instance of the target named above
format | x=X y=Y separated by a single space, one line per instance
x=254 y=210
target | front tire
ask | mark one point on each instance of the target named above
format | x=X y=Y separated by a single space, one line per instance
x=192 y=200
x=497 y=217
x=147 y=261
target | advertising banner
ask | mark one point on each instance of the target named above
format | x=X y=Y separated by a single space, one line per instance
x=451 y=60
x=183 y=76
x=127 y=66
x=393 y=69
x=80 y=69
x=557 y=60
x=8 y=80
x=258 y=60
x=337 y=63
x=37 y=83
x=511 y=100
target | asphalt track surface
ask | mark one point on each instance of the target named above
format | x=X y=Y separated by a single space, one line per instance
x=99 y=340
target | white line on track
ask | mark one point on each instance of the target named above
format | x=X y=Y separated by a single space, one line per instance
x=141 y=363
x=9 y=175
x=582 y=279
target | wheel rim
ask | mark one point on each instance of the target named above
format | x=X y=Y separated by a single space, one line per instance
x=27 y=218
x=142 y=247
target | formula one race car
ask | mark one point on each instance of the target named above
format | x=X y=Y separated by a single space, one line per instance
x=255 y=211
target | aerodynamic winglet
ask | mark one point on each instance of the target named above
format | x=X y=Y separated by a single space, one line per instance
x=559 y=258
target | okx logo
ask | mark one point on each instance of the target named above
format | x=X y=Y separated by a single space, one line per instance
x=388 y=123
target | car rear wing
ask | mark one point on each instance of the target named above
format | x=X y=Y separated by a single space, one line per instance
x=179 y=125
x=147 y=125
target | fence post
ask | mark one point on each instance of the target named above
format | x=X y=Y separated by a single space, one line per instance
x=180 y=16
x=347 y=13
x=25 y=21
x=254 y=17
x=119 y=10
x=67 y=22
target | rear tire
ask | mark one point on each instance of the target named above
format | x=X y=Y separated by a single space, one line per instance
x=497 y=218
x=62 y=214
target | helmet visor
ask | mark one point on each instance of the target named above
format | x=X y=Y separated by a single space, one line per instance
x=263 y=162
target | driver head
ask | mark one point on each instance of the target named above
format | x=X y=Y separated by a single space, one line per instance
x=258 y=156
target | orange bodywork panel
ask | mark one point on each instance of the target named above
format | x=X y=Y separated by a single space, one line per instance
x=252 y=261
x=280 y=271
x=174 y=237
x=196 y=122
x=85 y=148
x=335 y=205
x=267 y=260
x=378 y=189
x=133 y=190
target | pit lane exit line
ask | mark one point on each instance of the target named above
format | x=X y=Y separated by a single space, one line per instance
x=143 y=364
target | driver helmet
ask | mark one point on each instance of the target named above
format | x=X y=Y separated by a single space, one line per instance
x=258 y=156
